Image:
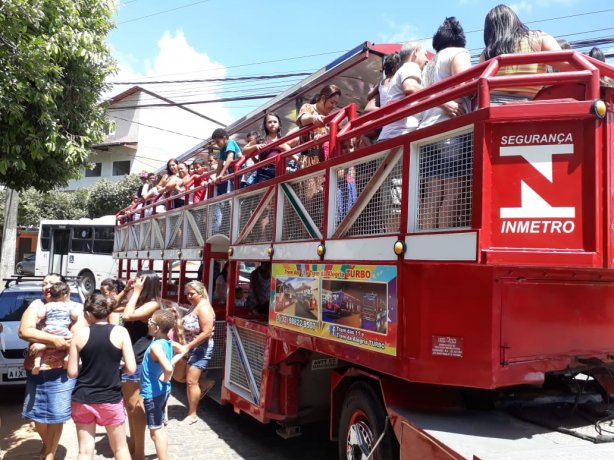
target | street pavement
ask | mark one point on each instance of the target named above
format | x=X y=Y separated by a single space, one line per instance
x=219 y=434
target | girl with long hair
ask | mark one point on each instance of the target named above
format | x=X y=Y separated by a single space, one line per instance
x=505 y=33
x=272 y=129
x=143 y=302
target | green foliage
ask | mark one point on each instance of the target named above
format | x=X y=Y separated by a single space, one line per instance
x=35 y=206
x=102 y=199
x=107 y=198
x=54 y=61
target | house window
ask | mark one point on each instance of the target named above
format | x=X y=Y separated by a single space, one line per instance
x=111 y=127
x=121 y=168
x=96 y=171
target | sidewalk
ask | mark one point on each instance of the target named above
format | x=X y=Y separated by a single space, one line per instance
x=197 y=441
x=219 y=434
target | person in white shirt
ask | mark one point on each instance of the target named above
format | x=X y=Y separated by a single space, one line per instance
x=407 y=80
x=450 y=161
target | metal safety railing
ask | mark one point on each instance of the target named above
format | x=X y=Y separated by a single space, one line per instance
x=306 y=214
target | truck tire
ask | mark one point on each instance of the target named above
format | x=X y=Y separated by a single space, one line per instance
x=362 y=420
x=88 y=282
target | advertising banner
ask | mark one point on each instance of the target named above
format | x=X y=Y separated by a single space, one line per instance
x=352 y=304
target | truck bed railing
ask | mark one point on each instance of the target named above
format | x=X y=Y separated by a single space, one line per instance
x=475 y=83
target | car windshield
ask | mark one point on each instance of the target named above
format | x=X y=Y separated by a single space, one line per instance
x=14 y=303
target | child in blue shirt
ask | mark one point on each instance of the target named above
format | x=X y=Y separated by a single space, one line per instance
x=156 y=377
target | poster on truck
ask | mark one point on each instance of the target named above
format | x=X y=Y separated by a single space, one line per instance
x=351 y=304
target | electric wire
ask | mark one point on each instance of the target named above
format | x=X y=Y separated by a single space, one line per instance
x=203 y=80
x=158 y=128
x=162 y=12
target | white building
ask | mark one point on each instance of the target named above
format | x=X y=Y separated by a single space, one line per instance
x=146 y=131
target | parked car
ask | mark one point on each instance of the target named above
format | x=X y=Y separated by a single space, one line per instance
x=26 y=266
x=13 y=302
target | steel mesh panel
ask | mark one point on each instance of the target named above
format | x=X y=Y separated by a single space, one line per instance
x=133 y=238
x=219 y=339
x=218 y=218
x=145 y=235
x=262 y=232
x=372 y=220
x=199 y=216
x=120 y=239
x=247 y=206
x=161 y=222
x=253 y=344
x=445 y=170
x=309 y=193
x=237 y=373
x=176 y=236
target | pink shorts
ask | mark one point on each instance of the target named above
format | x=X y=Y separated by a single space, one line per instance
x=105 y=414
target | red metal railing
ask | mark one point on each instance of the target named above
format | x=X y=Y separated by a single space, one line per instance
x=476 y=82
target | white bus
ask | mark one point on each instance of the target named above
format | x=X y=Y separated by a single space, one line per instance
x=77 y=248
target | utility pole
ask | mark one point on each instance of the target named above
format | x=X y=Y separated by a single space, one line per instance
x=9 y=236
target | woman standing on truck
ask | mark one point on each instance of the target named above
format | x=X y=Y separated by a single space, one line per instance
x=271 y=126
x=504 y=33
x=313 y=114
x=47 y=401
x=143 y=302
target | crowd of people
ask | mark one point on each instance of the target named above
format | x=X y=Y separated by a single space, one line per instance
x=83 y=364
x=405 y=73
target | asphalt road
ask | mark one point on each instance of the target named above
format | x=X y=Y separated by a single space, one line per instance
x=220 y=434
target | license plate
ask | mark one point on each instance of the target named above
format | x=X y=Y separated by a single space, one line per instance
x=16 y=373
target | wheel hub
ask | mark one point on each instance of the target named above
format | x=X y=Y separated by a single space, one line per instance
x=359 y=441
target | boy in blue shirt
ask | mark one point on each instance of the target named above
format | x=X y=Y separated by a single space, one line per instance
x=156 y=377
x=229 y=151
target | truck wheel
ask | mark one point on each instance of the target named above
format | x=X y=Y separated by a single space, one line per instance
x=88 y=282
x=363 y=418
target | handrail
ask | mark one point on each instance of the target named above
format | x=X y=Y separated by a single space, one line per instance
x=477 y=81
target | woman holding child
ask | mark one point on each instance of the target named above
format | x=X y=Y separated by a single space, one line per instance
x=196 y=331
x=47 y=401
x=144 y=301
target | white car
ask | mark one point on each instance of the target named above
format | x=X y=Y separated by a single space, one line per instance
x=13 y=302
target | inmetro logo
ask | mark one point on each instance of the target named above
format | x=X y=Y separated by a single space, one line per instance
x=535 y=214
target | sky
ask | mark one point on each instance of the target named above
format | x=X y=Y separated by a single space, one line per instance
x=169 y=40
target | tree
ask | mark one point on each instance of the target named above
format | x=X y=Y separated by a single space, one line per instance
x=35 y=206
x=54 y=61
x=107 y=198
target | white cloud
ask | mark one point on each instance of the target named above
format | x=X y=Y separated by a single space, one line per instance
x=521 y=7
x=396 y=32
x=176 y=60
x=525 y=6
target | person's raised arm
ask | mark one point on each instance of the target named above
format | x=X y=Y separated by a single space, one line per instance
x=134 y=313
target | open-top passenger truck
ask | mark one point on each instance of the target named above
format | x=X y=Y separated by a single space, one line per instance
x=498 y=341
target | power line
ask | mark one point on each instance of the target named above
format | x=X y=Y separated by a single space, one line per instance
x=157 y=127
x=210 y=101
x=204 y=80
x=162 y=12
x=251 y=64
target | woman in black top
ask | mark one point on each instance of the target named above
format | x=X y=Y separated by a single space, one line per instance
x=96 y=398
x=143 y=302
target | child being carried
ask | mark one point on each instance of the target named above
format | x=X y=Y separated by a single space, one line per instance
x=54 y=318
